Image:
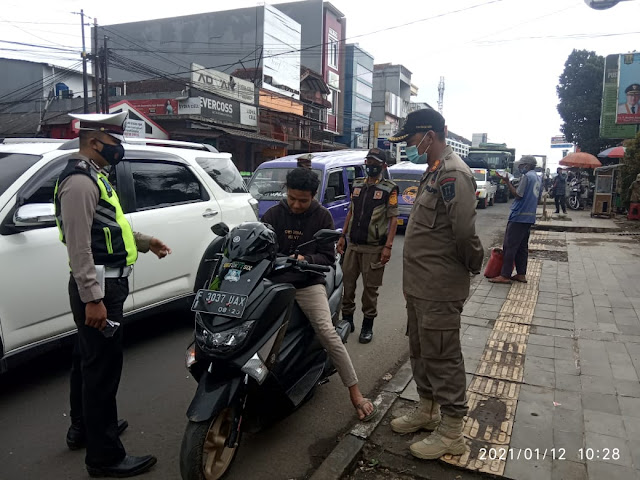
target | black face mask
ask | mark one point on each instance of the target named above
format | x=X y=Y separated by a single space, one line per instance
x=373 y=170
x=113 y=154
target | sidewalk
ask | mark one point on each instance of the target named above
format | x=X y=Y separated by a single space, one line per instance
x=553 y=370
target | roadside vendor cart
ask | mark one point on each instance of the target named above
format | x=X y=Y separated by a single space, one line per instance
x=607 y=195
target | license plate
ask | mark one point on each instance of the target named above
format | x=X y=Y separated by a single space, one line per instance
x=220 y=303
x=401 y=221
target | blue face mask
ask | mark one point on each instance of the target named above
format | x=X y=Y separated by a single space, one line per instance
x=412 y=153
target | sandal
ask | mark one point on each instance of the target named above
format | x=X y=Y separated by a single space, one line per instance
x=502 y=282
x=516 y=279
x=371 y=415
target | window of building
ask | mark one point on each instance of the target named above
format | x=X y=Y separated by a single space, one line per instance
x=364 y=90
x=333 y=98
x=332 y=43
x=363 y=107
x=364 y=74
x=160 y=185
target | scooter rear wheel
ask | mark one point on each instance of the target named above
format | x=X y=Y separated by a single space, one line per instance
x=203 y=454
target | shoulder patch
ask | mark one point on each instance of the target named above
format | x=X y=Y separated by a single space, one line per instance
x=448 y=189
x=82 y=165
x=393 y=198
x=447 y=180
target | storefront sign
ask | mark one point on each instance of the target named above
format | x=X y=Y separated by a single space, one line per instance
x=134 y=129
x=248 y=115
x=222 y=84
x=218 y=108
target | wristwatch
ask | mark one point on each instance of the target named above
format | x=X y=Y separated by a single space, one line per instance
x=96 y=301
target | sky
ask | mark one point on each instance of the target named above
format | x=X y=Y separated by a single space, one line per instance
x=501 y=59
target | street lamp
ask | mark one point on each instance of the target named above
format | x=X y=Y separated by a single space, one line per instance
x=602 y=4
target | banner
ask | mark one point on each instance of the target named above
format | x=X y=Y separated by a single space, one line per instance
x=609 y=111
x=222 y=84
x=628 y=111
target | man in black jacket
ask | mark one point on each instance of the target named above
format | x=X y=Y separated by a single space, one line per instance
x=295 y=221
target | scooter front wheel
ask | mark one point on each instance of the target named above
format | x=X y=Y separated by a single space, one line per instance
x=204 y=454
x=574 y=202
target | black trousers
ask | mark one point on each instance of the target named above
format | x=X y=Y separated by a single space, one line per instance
x=95 y=375
x=516 y=248
x=561 y=201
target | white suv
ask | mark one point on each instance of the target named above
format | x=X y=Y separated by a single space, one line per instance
x=175 y=193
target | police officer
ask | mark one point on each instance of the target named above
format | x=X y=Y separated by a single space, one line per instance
x=441 y=250
x=370 y=227
x=102 y=249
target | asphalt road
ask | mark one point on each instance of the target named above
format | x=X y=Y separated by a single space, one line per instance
x=155 y=392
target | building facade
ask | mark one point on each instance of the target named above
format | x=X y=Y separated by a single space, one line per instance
x=358 y=97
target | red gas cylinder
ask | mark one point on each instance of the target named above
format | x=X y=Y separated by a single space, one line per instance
x=634 y=211
x=494 y=266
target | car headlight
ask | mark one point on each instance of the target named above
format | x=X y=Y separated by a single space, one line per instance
x=224 y=341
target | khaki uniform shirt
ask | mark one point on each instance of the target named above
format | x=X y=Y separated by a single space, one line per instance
x=79 y=197
x=441 y=247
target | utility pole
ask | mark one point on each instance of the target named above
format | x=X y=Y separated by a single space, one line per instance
x=96 y=65
x=105 y=76
x=84 y=67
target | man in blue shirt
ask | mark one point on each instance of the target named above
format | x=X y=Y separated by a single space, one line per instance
x=523 y=215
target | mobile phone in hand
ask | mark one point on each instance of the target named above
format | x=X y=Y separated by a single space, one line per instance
x=110 y=329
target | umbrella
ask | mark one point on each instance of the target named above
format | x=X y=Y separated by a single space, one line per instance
x=613 y=152
x=580 y=160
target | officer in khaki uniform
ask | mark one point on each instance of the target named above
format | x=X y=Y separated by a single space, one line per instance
x=371 y=227
x=441 y=251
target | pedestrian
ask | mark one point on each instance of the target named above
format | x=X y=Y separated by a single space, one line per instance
x=102 y=249
x=523 y=215
x=304 y=161
x=295 y=220
x=560 y=191
x=370 y=227
x=441 y=251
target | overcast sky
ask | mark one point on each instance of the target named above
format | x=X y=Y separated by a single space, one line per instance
x=501 y=60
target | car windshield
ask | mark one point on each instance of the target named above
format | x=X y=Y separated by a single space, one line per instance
x=269 y=183
x=12 y=165
x=408 y=184
x=480 y=175
x=224 y=173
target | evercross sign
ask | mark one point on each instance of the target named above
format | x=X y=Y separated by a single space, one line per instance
x=222 y=84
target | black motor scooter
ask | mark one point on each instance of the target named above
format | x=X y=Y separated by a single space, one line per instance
x=255 y=356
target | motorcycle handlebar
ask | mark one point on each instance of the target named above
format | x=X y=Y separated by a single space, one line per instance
x=304 y=265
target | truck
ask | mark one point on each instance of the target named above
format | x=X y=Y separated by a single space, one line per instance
x=494 y=156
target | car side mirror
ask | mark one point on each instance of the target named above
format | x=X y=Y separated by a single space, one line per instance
x=330 y=194
x=35 y=215
x=221 y=229
x=326 y=236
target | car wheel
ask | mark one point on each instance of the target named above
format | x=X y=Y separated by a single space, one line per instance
x=482 y=203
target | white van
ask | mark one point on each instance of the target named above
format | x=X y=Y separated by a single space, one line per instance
x=486 y=189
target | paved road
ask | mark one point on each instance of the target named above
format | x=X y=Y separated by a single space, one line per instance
x=156 y=390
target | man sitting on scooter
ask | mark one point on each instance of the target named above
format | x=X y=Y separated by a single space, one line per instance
x=295 y=221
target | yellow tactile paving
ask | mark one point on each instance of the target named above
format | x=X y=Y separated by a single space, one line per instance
x=494 y=390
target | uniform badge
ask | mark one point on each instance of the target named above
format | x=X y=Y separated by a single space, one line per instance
x=83 y=165
x=409 y=195
x=356 y=191
x=448 y=188
x=393 y=198
x=377 y=195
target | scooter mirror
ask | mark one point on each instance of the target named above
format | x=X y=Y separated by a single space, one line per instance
x=221 y=229
x=326 y=236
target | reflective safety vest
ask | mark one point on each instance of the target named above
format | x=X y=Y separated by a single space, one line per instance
x=112 y=240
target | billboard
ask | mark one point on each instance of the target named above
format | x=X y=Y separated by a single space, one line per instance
x=628 y=89
x=559 y=141
x=609 y=111
x=219 y=108
x=156 y=106
x=281 y=53
x=222 y=84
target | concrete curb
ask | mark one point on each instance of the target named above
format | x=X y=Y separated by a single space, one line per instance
x=344 y=455
x=571 y=228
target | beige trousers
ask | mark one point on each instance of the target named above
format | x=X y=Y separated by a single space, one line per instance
x=315 y=305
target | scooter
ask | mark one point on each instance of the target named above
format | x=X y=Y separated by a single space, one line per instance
x=577 y=200
x=255 y=356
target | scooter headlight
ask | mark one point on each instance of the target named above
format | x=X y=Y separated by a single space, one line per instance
x=190 y=356
x=256 y=369
x=224 y=341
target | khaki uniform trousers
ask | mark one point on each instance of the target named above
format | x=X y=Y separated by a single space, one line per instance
x=363 y=260
x=315 y=305
x=436 y=353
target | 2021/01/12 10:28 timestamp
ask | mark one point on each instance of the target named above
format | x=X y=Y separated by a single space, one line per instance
x=505 y=453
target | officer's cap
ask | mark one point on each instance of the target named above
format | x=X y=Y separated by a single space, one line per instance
x=109 y=123
x=379 y=155
x=633 y=88
x=419 y=121
x=305 y=160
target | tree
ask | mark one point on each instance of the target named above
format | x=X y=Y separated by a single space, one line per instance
x=580 y=94
x=631 y=165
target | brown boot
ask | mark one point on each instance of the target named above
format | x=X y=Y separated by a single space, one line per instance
x=447 y=438
x=425 y=417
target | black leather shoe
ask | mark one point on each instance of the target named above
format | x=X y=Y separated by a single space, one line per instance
x=76 y=439
x=128 y=467
x=349 y=318
x=366 y=335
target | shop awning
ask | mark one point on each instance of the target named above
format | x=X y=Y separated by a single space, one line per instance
x=251 y=136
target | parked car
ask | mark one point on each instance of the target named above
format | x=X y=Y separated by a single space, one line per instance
x=407 y=176
x=336 y=171
x=174 y=192
x=485 y=189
